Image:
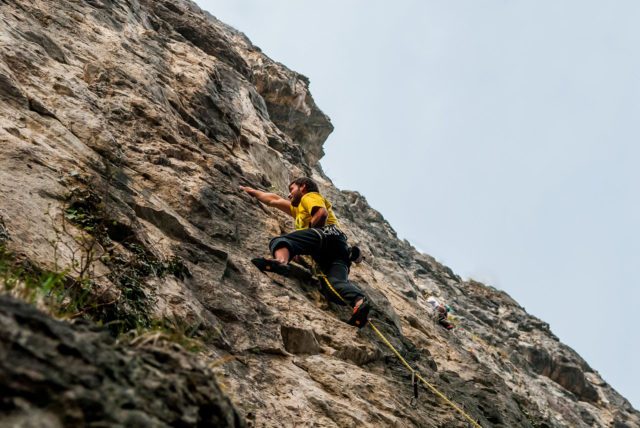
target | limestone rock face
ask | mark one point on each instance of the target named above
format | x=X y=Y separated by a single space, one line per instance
x=126 y=128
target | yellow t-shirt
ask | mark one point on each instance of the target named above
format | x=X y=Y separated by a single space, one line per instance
x=302 y=213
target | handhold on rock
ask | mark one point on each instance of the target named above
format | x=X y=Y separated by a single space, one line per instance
x=299 y=341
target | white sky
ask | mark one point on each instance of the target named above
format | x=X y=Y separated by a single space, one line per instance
x=500 y=137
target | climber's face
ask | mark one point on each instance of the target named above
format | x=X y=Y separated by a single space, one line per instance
x=295 y=193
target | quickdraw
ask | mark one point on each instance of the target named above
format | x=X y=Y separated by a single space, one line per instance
x=414 y=382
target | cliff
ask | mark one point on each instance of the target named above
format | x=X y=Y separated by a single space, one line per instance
x=126 y=129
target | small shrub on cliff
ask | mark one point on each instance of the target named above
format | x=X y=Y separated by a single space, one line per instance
x=23 y=280
x=103 y=239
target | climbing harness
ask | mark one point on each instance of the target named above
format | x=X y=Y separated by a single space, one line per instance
x=414 y=373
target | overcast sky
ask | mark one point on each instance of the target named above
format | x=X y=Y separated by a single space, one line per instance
x=500 y=137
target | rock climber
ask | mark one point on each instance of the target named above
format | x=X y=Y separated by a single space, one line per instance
x=317 y=235
x=441 y=312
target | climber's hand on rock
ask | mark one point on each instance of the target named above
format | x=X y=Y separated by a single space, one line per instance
x=247 y=190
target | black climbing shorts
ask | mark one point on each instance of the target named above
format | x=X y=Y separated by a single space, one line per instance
x=328 y=247
x=324 y=245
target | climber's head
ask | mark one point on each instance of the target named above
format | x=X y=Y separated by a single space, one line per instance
x=299 y=187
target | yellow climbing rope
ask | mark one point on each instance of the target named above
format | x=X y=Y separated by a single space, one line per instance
x=405 y=363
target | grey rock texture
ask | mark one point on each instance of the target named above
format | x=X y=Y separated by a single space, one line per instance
x=54 y=374
x=134 y=122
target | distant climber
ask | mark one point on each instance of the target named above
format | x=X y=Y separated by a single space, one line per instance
x=317 y=235
x=440 y=312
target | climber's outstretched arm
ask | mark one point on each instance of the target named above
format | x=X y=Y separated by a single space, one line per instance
x=270 y=199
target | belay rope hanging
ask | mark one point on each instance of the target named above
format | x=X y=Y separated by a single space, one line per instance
x=414 y=373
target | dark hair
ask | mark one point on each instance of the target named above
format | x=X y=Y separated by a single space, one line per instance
x=309 y=184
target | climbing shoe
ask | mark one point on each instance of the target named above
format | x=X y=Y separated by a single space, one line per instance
x=270 y=265
x=446 y=324
x=360 y=316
